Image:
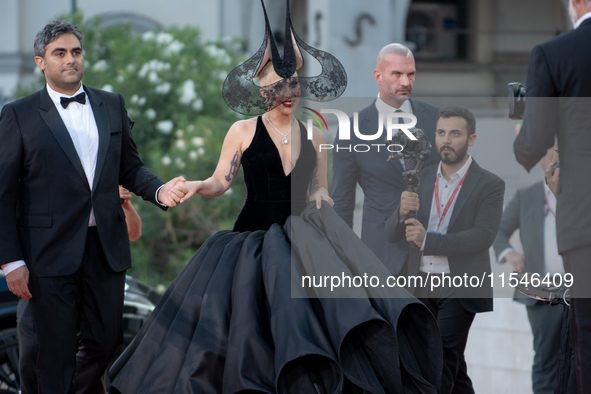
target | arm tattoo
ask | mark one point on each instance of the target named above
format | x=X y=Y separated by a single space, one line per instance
x=233 y=167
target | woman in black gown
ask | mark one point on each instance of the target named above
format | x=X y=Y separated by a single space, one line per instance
x=237 y=318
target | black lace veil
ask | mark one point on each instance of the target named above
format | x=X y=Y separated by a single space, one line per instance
x=243 y=95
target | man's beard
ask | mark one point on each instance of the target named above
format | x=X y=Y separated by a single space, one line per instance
x=460 y=154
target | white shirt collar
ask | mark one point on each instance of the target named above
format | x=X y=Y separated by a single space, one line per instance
x=385 y=108
x=55 y=96
x=582 y=19
x=459 y=173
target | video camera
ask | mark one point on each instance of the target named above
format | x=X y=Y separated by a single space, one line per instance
x=516 y=100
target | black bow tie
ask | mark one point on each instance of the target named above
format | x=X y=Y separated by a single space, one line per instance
x=65 y=101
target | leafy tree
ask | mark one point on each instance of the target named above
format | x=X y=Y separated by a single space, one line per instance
x=171 y=82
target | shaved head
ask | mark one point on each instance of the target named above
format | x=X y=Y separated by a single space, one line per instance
x=393 y=49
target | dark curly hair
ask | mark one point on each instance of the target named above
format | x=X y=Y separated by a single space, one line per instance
x=51 y=32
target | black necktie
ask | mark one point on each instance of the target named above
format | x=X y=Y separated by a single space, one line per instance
x=65 y=101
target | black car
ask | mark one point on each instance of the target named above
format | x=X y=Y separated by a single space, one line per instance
x=140 y=300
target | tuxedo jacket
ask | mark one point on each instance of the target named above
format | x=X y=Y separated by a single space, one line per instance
x=472 y=229
x=525 y=212
x=380 y=179
x=45 y=198
x=558 y=104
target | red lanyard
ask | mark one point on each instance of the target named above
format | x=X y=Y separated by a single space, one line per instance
x=451 y=198
x=548 y=205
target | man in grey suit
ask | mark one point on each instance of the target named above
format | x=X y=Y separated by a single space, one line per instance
x=559 y=98
x=458 y=209
x=532 y=211
x=381 y=180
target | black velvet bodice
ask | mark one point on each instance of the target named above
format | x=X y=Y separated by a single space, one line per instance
x=271 y=195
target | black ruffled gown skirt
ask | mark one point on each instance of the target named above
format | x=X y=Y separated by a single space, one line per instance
x=237 y=320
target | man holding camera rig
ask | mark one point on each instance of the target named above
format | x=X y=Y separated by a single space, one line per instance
x=559 y=99
x=458 y=209
x=380 y=178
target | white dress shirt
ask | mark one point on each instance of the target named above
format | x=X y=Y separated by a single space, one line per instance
x=384 y=108
x=437 y=224
x=552 y=260
x=582 y=19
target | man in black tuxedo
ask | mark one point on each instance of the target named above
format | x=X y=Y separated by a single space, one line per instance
x=459 y=207
x=381 y=180
x=559 y=92
x=63 y=241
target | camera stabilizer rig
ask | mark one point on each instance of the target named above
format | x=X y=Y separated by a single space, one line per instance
x=410 y=149
x=418 y=150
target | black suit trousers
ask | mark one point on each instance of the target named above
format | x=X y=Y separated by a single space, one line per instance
x=78 y=319
x=454 y=324
x=577 y=263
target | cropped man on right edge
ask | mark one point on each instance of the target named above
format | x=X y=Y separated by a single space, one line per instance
x=559 y=91
x=381 y=179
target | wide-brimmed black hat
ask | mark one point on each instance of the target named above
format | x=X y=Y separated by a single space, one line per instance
x=243 y=95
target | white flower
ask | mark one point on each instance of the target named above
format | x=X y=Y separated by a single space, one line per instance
x=179 y=133
x=179 y=163
x=130 y=68
x=165 y=126
x=175 y=47
x=229 y=191
x=163 y=88
x=120 y=78
x=148 y=36
x=193 y=155
x=108 y=88
x=200 y=151
x=197 y=141
x=153 y=65
x=142 y=101
x=180 y=144
x=153 y=77
x=101 y=65
x=150 y=114
x=164 y=38
x=218 y=53
x=166 y=160
x=134 y=99
x=198 y=105
x=187 y=92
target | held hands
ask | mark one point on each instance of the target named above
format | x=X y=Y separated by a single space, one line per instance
x=409 y=202
x=319 y=195
x=18 y=282
x=172 y=192
x=191 y=188
x=415 y=232
x=125 y=195
x=517 y=260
